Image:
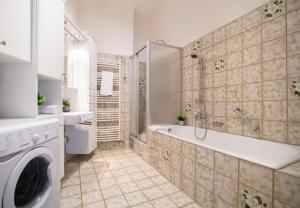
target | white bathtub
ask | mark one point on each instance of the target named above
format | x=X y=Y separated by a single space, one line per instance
x=266 y=153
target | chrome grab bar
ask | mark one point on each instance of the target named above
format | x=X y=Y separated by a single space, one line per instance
x=239 y=113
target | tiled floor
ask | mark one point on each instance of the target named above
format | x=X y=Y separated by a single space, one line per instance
x=118 y=179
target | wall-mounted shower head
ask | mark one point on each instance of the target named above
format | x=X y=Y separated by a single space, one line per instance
x=196 y=56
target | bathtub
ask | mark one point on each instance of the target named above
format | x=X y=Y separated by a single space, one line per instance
x=270 y=154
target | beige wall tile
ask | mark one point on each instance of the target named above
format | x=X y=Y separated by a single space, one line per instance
x=205 y=157
x=234 y=44
x=293 y=43
x=234 y=28
x=252 y=37
x=234 y=93
x=220 y=94
x=204 y=197
x=292 y=4
x=188 y=150
x=275 y=69
x=274 y=29
x=293 y=21
x=272 y=9
x=220 y=79
x=252 y=55
x=279 y=204
x=226 y=165
x=176 y=178
x=219 y=203
x=252 y=91
x=251 y=19
x=256 y=177
x=234 y=60
x=248 y=131
x=219 y=49
x=294 y=133
x=274 y=90
x=275 y=110
x=205 y=177
x=175 y=145
x=252 y=198
x=294 y=110
x=220 y=108
x=252 y=73
x=234 y=126
x=253 y=109
x=275 y=131
x=226 y=189
x=220 y=64
x=293 y=66
x=219 y=35
x=274 y=49
x=234 y=77
x=188 y=187
x=188 y=168
x=287 y=188
x=206 y=40
x=220 y=119
x=207 y=54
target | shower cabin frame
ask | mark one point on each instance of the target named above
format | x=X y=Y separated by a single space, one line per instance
x=134 y=97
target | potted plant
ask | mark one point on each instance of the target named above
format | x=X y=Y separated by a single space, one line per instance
x=181 y=119
x=41 y=99
x=66 y=105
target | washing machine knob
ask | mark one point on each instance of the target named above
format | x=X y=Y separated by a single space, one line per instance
x=35 y=138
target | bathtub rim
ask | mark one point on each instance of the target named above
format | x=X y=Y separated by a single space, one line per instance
x=274 y=165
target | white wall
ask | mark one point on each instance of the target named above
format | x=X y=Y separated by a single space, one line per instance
x=110 y=22
x=180 y=22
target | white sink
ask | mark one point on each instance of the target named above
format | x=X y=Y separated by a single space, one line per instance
x=73 y=118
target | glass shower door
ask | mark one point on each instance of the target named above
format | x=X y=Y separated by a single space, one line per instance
x=138 y=122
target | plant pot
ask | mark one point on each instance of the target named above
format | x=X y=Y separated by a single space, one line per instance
x=181 y=123
x=66 y=109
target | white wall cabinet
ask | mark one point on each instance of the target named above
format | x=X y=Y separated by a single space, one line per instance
x=15 y=31
x=50 y=38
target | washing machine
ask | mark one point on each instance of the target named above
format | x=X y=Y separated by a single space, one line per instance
x=29 y=175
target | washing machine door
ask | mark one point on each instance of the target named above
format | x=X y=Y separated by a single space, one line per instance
x=30 y=182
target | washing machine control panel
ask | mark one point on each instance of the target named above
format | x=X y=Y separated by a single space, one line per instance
x=19 y=137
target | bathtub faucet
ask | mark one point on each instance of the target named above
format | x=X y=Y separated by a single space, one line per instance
x=200 y=116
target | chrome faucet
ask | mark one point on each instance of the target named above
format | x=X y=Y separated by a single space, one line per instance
x=200 y=116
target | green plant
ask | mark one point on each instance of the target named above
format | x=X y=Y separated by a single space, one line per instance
x=66 y=103
x=181 y=118
x=41 y=99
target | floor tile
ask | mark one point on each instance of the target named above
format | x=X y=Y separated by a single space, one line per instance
x=70 y=191
x=123 y=179
x=145 y=183
x=128 y=187
x=144 y=205
x=99 y=204
x=153 y=193
x=168 y=188
x=135 y=198
x=111 y=192
x=180 y=199
x=138 y=176
x=70 y=181
x=106 y=183
x=164 y=202
x=91 y=197
x=158 y=180
x=117 y=202
x=71 y=202
x=87 y=187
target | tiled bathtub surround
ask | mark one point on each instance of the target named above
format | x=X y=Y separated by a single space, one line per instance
x=250 y=63
x=216 y=180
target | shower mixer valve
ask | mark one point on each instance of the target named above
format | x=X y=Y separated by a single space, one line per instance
x=200 y=116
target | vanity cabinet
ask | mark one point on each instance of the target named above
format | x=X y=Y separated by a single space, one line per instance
x=15 y=31
x=50 y=33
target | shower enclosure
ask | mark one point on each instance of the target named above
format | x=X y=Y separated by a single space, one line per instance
x=155 y=87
